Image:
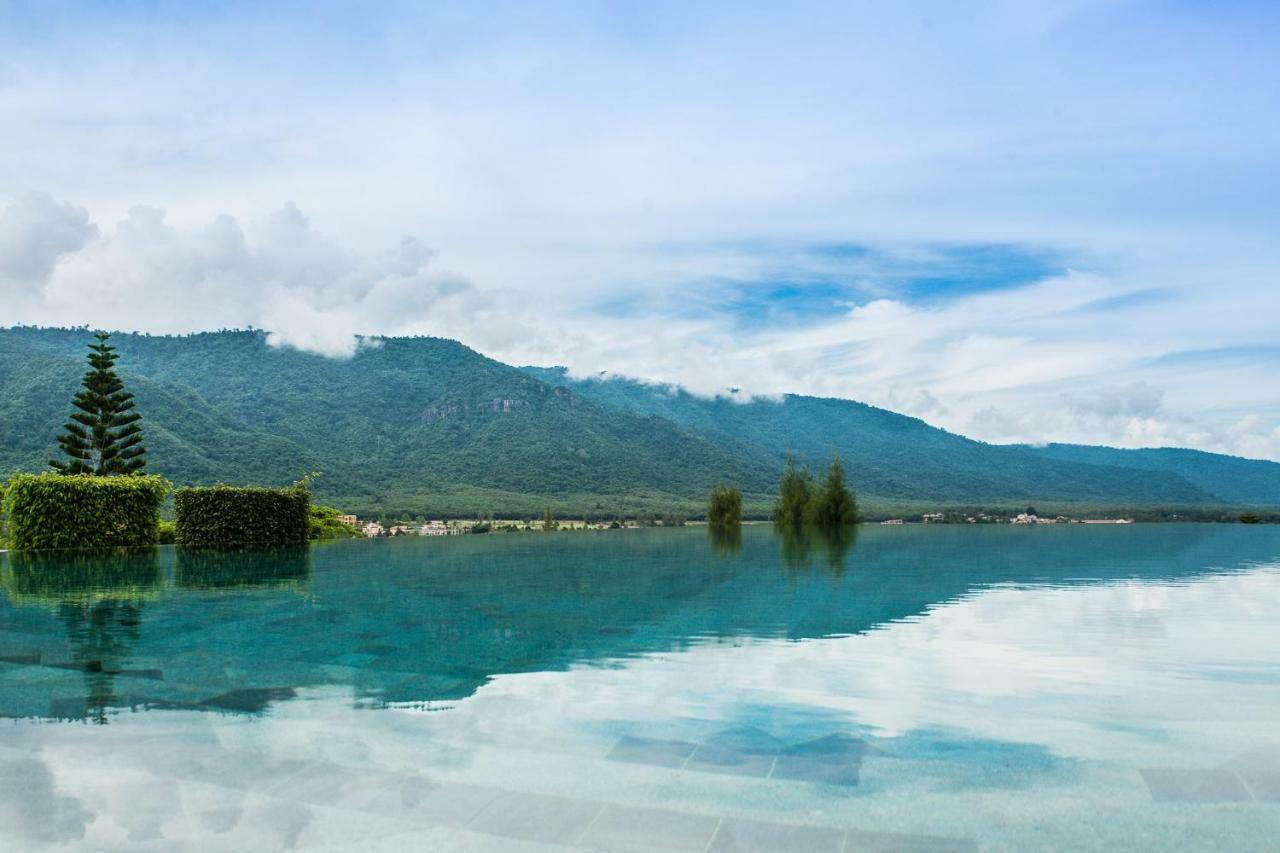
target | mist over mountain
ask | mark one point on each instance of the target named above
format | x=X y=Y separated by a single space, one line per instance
x=429 y=425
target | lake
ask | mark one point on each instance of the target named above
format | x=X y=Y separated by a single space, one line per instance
x=911 y=688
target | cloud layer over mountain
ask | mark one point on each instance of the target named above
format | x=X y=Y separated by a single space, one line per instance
x=1030 y=222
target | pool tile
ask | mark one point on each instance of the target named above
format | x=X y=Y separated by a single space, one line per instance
x=450 y=804
x=808 y=768
x=738 y=835
x=714 y=759
x=535 y=817
x=627 y=828
x=862 y=841
x=1265 y=757
x=1177 y=785
x=748 y=739
x=1265 y=784
x=835 y=749
x=660 y=753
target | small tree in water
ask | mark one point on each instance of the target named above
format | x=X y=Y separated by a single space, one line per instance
x=833 y=505
x=724 y=509
x=793 y=495
x=103 y=437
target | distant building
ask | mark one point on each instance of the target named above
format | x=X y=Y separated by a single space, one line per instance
x=349 y=520
x=1108 y=521
x=434 y=528
x=1032 y=518
x=892 y=521
x=372 y=529
x=932 y=517
x=399 y=530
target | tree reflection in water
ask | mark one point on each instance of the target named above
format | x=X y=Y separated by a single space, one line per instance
x=726 y=540
x=800 y=545
x=99 y=598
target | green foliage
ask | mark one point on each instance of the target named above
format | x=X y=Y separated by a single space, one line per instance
x=794 y=494
x=724 y=508
x=833 y=504
x=103 y=437
x=83 y=511
x=168 y=532
x=549 y=521
x=218 y=516
x=1250 y=518
x=324 y=524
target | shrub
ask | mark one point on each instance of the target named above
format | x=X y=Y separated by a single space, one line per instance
x=168 y=532
x=724 y=509
x=83 y=511
x=325 y=525
x=216 y=516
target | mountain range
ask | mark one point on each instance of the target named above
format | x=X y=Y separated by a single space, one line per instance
x=429 y=426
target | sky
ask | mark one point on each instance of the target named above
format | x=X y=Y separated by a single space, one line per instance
x=1049 y=221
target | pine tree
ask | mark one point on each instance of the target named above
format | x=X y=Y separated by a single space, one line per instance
x=549 y=520
x=103 y=437
x=833 y=505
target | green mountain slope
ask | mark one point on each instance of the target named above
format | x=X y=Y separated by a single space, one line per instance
x=407 y=418
x=1232 y=479
x=892 y=455
x=428 y=425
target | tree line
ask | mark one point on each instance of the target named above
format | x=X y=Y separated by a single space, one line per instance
x=801 y=502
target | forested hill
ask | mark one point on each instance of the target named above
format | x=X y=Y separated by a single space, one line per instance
x=428 y=425
x=898 y=456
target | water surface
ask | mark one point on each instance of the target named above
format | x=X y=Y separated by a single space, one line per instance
x=915 y=688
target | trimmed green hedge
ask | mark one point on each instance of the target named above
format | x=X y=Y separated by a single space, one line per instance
x=217 y=516
x=82 y=511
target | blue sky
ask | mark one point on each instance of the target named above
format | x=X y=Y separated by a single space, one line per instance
x=1020 y=221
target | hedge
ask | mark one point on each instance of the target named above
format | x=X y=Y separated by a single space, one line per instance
x=218 y=516
x=83 y=511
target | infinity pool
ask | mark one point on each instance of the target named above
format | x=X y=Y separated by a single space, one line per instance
x=913 y=688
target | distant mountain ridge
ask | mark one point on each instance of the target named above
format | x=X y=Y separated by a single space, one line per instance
x=426 y=424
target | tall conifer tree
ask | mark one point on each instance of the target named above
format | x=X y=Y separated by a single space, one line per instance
x=103 y=436
x=834 y=504
x=793 y=495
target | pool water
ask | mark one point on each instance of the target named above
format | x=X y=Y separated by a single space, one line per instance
x=908 y=688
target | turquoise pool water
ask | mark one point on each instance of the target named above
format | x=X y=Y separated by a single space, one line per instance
x=915 y=688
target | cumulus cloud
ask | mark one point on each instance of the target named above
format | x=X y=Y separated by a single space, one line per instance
x=280 y=274
x=35 y=231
